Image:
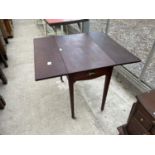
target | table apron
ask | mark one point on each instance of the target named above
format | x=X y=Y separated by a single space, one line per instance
x=91 y=74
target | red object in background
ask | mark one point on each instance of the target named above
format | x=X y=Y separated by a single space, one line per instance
x=53 y=21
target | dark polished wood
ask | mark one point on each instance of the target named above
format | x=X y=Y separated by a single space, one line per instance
x=46 y=50
x=80 y=57
x=80 y=53
x=9 y=27
x=148 y=102
x=115 y=51
x=3 y=30
x=88 y=75
x=3 y=77
x=141 y=120
x=3 y=50
x=122 y=130
x=2 y=58
x=106 y=86
x=71 y=92
x=2 y=102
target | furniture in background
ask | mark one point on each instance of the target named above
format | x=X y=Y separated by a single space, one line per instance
x=3 y=58
x=141 y=120
x=63 y=24
x=6 y=31
x=9 y=27
x=3 y=31
x=4 y=80
x=2 y=102
x=3 y=77
x=6 y=27
x=80 y=57
x=3 y=55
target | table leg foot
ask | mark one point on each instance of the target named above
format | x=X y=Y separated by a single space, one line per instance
x=61 y=78
x=73 y=117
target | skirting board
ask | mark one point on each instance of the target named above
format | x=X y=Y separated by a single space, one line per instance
x=141 y=86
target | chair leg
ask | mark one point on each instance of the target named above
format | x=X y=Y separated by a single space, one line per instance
x=3 y=60
x=2 y=102
x=5 y=56
x=6 y=40
x=3 y=77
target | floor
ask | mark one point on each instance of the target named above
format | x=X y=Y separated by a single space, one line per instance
x=43 y=107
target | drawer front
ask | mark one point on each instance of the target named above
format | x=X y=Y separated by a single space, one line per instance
x=152 y=130
x=135 y=128
x=143 y=120
x=86 y=75
x=144 y=111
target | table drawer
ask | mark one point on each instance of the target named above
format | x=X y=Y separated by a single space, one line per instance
x=144 y=111
x=152 y=130
x=86 y=75
x=143 y=119
x=135 y=128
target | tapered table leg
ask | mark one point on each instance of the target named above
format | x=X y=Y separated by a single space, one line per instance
x=106 y=87
x=71 y=91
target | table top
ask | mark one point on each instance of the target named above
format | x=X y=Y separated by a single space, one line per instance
x=63 y=21
x=62 y=55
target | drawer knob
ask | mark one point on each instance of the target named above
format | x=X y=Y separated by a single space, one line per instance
x=91 y=73
x=141 y=120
